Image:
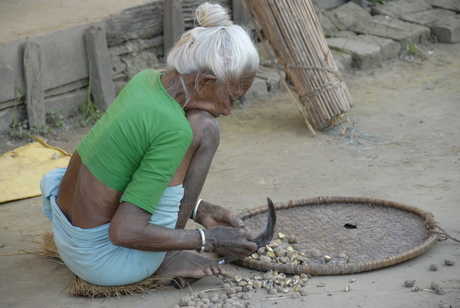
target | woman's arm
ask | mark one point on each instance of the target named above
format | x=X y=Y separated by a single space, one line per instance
x=130 y=228
x=195 y=166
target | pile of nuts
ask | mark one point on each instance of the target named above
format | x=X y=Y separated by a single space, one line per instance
x=203 y=300
x=285 y=250
x=271 y=281
x=239 y=288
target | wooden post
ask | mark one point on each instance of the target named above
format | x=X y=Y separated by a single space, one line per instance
x=173 y=23
x=102 y=87
x=35 y=98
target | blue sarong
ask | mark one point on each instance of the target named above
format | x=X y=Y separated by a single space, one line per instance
x=90 y=254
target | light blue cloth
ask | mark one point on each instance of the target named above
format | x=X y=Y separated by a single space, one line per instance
x=90 y=254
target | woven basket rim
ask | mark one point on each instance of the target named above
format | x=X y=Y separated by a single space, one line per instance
x=348 y=268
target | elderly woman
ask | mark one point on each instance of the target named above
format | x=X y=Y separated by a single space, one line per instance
x=119 y=209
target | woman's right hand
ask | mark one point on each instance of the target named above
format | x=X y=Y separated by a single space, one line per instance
x=235 y=242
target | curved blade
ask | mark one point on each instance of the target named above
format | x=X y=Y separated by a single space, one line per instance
x=265 y=236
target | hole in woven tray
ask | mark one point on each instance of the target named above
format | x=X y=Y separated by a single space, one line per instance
x=350 y=226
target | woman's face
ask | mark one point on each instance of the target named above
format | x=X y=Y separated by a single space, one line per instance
x=218 y=99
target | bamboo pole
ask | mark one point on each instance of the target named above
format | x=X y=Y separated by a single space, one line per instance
x=295 y=33
x=310 y=128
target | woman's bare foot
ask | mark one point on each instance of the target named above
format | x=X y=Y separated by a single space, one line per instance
x=180 y=268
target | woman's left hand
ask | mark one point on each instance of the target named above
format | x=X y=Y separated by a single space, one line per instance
x=210 y=215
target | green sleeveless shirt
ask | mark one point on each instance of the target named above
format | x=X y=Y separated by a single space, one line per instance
x=139 y=142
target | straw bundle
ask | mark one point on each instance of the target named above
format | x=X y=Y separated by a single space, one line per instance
x=80 y=287
x=295 y=34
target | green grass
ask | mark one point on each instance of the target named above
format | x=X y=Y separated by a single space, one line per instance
x=374 y=2
x=89 y=113
x=56 y=119
x=21 y=130
x=412 y=50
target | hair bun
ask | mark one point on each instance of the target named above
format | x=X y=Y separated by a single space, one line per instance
x=212 y=15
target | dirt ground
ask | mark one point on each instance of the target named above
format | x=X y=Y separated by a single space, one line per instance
x=22 y=18
x=266 y=150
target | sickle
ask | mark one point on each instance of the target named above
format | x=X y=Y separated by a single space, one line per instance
x=264 y=237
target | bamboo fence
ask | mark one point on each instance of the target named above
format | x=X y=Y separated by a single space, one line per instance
x=297 y=38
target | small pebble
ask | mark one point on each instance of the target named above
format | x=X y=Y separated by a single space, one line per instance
x=439 y=291
x=186 y=301
x=327 y=258
x=243 y=283
x=246 y=296
x=272 y=291
x=321 y=285
x=347 y=289
x=223 y=296
x=247 y=288
x=214 y=299
x=409 y=283
x=315 y=253
x=415 y=289
x=265 y=259
x=437 y=288
x=433 y=267
x=202 y=295
x=257 y=285
x=230 y=291
x=303 y=292
x=291 y=239
x=449 y=262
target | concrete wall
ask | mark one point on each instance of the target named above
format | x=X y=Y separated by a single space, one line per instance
x=134 y=40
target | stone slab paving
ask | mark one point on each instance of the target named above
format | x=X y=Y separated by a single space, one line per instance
x=392 y=28
x=347 y=15
x=428 y=17
x=364 y=55
x=447 y=30
x=453 y=5
x=389 y=48
x=343 y=60
x=398 y=9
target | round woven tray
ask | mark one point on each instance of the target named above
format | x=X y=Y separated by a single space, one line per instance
x=360 y=234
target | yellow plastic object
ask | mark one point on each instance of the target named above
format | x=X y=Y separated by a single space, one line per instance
x=22 y=169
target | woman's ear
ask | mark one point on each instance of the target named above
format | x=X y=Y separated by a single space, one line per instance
x=203 y=81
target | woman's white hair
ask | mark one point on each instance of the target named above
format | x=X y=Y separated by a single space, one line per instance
x=216 y=46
